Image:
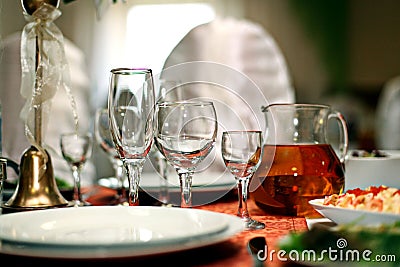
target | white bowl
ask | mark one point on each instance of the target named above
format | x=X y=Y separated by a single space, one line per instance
x=362 y=172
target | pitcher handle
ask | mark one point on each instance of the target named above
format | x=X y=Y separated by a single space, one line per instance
x=344 y=138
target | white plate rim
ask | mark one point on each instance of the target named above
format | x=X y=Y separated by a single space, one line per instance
x=221 y=181
x=44 y=217
x=216 y=185
x=345 y=215
x=234 y=226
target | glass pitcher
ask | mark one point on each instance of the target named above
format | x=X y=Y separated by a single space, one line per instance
x=299 y=164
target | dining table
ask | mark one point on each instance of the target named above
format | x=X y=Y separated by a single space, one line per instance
x=231 y=252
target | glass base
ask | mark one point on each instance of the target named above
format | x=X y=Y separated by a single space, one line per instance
x=77 y=203
x=251 y=224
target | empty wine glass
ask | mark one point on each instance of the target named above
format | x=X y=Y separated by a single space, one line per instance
x=104 y=139
x=76 y=149
x=185 y=134
x=241 y=152
x=131 y=112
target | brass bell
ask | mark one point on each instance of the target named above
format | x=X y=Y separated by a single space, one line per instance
x=36 y=188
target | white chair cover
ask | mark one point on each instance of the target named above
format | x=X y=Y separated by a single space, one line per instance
x=237 y=65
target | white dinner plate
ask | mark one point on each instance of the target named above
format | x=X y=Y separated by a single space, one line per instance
x=207 y=186
x=341 y=215
x=201 y=181
x=112 y=231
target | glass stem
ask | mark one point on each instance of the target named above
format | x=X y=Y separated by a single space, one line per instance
x=76 y=173
x=242 y=186
x=134 y=169
x=185 y=179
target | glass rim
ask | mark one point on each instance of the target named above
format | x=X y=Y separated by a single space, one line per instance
x=130 y=70
x=295 y=105
x=185 y=102
x=241 y=131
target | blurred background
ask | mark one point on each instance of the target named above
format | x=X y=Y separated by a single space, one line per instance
x=339 y=52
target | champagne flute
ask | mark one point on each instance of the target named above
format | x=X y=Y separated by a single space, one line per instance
x=131 y=112
x=104 y=139
x=241 y=152
x=76 y=149
x=185 y=134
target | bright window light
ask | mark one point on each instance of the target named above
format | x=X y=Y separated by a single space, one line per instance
x=154 y=30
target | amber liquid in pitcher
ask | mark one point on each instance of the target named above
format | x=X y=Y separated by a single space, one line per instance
x=298 y=174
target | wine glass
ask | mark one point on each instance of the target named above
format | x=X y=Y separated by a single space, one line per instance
x=76 y=149
x=185 y=134
x=241 y=152
x=167 y=90
x=104 y=139
x=131 y=112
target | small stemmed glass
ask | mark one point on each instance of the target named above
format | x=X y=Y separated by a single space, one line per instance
x=185 y=134
x=104 y=139
x=242 y=153
x=131 y=112
x=76 y=149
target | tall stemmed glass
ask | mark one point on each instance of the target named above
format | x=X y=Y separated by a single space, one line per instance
x=185 y=134
x=104 y=139
x=242 y=152
x=76 y=149
x=131 y=113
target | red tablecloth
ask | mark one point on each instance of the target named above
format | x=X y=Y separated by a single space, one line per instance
x=232 y=252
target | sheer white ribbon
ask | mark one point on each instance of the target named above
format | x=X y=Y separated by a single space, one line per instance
x=44 y=70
